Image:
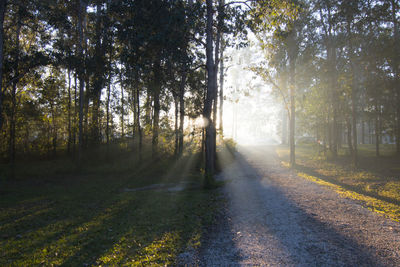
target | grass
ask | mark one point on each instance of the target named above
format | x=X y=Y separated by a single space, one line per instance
x=376 y=183
x=52 y=215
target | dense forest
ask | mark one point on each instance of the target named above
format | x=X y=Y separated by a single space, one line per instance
x=76 y=75
x=79 y=74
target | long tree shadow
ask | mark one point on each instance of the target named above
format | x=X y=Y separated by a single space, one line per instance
x=133 y=234
x=317 y=243
x=331 y=179
x=385 y=166
x=218 y=246
x=42 y=227
x=100 y=222
x=152 y=227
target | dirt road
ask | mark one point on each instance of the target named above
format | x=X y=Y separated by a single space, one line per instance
x=274 y=218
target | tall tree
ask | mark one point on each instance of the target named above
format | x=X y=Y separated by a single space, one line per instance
x=81 y=13
x=2 y=12
x=210 y=95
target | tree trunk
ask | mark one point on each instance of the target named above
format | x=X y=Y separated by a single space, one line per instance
x=370 y=135
x=81 y=13
x=363 y=132
x=203 y=148
x=221 y=88
x=215 y=100
x=349 y=141
x=329 y=131
x=2 y=12
x=13 y=111
x=86 y=98
x=284 y=126
x=74 y=128
x=181 y=111
x=377 y=128
x=54 y=130
x=108 y=111
x=293 y=50
x=176 y=130
x=354 y=88
x=354 y=122
x=86 y=108
x=138 y=119
x=156 y=115
x=108 y=99
x=148 y=117
x=132 y=93
x=334 y=134
x=209 y=138
x=325 y=136
x=98 y=80
x=14 y=92
x=122 y=105
x=340 y=135
x=48 y=146
x=292 y=125
x=397 y=71
x=96 y=137
x=69 y=113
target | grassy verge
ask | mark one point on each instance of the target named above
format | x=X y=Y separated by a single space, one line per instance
x=52 y=215
x=376 y=183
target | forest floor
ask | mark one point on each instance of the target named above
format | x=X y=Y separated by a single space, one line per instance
x=114 y=211
x=275 y=216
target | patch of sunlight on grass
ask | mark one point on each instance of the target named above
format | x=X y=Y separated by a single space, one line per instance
x=160 y=252
x=195 y=240
x=371 y=185
x=391 y=189
x=376 y=205
x=285 y=164
x=130 y=251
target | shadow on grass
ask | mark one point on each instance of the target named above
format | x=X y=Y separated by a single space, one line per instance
x=89 y=219
x=331 y=179
x=385 y=167
x=373 y=172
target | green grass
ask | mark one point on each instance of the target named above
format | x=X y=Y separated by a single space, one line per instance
x=376 y=183
x=50 y=214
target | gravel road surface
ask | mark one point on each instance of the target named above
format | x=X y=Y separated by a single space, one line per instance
x=271 y=217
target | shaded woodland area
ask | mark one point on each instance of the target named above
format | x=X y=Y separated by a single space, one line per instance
x=82 y=74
